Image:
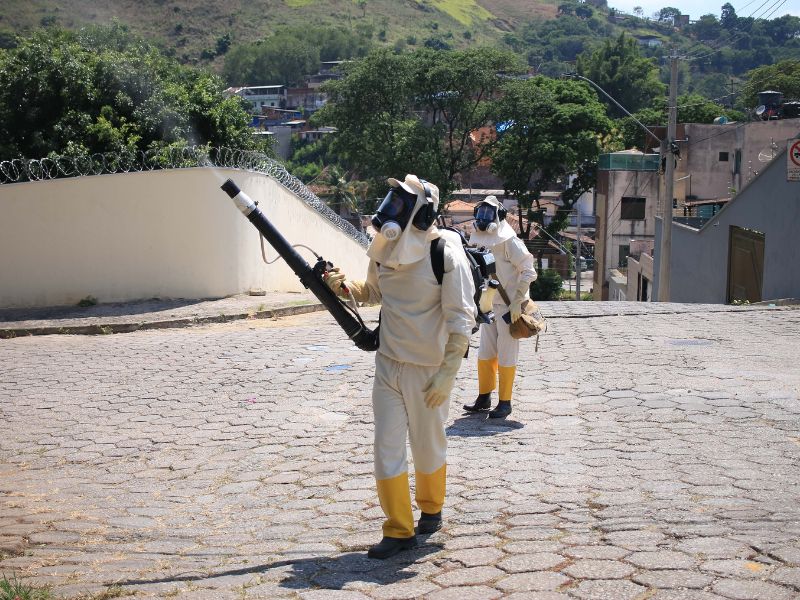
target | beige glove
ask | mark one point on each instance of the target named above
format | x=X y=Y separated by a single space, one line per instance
x=516 y=302
x=438 y=388
x=335 y=280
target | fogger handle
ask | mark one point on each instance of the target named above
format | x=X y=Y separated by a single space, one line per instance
x=364 y=338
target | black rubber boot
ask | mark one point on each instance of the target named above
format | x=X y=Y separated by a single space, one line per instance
x=482 y=402
x=501 y=411
x=429 y=523
x=390 y=546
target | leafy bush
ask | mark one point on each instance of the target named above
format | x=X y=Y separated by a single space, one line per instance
x=547 y=286
x=105 y=90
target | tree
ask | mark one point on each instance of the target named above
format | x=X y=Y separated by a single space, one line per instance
x=415 y=113
x=341 y=194
x=278 y=60
x=728 y=16
x=552 y=131
x=783 y=77
x=619 y=68
x=668 y=14
x=103 y=90
x=292 y=53
x=707 y=28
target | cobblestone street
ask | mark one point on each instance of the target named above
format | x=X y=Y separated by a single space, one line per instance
x=650 y=456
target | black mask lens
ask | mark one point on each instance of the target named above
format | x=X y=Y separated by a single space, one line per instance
x=485 y=213
x=397 y=206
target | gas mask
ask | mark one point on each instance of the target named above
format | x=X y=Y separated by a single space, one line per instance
x=396 y=210
x=486 y=218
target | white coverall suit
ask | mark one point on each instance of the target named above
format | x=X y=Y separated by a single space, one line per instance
x=418 y=319
x=498 y=351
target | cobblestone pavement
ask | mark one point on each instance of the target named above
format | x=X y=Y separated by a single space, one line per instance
x=653 y=454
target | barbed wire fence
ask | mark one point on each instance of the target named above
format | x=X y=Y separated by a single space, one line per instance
x=63 y=167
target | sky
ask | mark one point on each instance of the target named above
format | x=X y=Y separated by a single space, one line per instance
x=697 y=8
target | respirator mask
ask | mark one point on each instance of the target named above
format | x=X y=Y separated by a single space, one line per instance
x=394 y=213
x=485 y=218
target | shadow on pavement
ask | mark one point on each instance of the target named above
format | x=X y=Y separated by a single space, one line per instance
x=327 y=572
x=56 y=313
x=480 y=425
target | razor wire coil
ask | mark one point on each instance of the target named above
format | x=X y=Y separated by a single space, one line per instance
x=20 y=170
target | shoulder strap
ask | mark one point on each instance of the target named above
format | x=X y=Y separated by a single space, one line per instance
x=437 y=258
x=503 y=293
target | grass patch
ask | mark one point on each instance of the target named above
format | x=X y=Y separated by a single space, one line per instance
x=570 y=295
x=88 y=301
x=12 y=589
x=465 y=12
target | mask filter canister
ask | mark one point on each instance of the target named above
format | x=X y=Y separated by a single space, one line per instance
x=391 y=230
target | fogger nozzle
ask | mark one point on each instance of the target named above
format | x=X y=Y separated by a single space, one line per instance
x=230 y=188
x=364 y=338
x=243 y=202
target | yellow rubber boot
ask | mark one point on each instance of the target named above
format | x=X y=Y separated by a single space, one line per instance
x=503 y=408
x=487 y=379
x=430 y=499
x=395 y=499
x=431 y=490
x=487 y=375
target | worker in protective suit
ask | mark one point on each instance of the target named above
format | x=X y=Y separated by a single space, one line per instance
x=498 y=351
x=424 y=334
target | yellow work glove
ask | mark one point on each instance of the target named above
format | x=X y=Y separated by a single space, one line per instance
x=335 y=280
x=487 y=299
x=438 y=388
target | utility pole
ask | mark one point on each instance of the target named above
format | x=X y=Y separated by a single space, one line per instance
x=578 y=251
x=665 y=252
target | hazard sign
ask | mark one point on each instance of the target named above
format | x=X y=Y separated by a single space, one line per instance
x=793 y=160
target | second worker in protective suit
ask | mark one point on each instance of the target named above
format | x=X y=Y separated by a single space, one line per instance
x=424 y=334
x=498 y=351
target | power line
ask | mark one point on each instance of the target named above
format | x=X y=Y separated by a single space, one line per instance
x=734 y=38
x=705 y=102
x=775 y=6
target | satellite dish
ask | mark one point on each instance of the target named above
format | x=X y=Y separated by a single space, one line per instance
x=760 y=110
x=767 y=154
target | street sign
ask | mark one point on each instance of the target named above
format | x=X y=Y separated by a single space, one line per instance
x=793 y=160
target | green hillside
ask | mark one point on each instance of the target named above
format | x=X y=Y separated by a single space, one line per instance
x=548 y=35
x=191 y=26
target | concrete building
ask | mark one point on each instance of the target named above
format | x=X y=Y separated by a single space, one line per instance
x=748 y=251
x=715 y=161
x=628 y=192
x=718 y=160
x=261 y=97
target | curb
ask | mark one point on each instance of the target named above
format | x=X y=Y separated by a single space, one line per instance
x=109 y=328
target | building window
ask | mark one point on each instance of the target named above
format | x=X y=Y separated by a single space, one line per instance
x=723 y=157
x=632 y=209
x=624 y=251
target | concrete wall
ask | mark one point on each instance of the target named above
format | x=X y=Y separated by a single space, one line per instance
x=639 y=271
x=166 y=234
x=771 y=205
x=712 y=178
